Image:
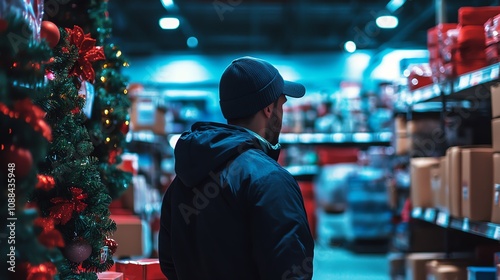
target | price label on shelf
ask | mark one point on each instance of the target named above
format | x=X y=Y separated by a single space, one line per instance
x=496 y=235
x=442 y=219
x=464 y=81
x=417 y=212
x=494 y=72
x=465 y=226
x=430 y=214
x=476 y=78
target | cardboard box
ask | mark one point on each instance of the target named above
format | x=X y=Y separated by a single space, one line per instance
x=147 y=114
x=495 y=126
x=402 y=145
x=481 y=273
x=436 y=184
x=447 y=272
x=416 y=264
x=454 y=167
x=444 y=192
x=420 y=190
x=132 y=235
x=495 y=207
x=495 y=100
x=143 y=269
x=477 y=179
x=446 y=269
x=400 y=125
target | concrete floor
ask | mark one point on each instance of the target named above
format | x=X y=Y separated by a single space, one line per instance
x=335 y=263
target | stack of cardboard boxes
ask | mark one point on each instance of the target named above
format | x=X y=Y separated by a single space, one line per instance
x=495 y=110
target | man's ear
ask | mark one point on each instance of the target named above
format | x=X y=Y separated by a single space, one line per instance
x=268 y=111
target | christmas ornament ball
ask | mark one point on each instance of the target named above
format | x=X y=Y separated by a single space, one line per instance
x=78 y=251
x=16 y=160
x=50 y=32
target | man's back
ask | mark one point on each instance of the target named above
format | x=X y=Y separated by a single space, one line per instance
x=243 y=219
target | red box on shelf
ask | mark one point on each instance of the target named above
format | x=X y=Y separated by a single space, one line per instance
x=457 y=68
x=476 y=15
x=434 y=52
x=471 y=36
x=420 y=76
x=437 y=34
x=143 y=269
x=492 y=53
x=470 y=54
x=492 y=30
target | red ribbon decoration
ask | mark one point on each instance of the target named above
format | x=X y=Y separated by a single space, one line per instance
x=45 y=182
x=87 y=53
x=31 y=114
x=50 y=237
x=63 y=209
x=43 y=271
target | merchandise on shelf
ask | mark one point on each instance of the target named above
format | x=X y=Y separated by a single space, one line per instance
x=477 y=179
x=495 y=208
x=421 y=190
x=419 y=76
x=476 y=15
x=495 y=124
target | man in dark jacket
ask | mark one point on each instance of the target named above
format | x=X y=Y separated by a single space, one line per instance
x=233 y=212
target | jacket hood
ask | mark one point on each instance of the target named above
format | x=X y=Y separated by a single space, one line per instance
x=208 y=146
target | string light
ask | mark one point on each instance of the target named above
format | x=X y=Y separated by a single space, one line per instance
x=125 y=91
x=103 y=79
x=106 y=111
x=108 y=139
x=127 y=122
x=107 y=121
x=118 y=53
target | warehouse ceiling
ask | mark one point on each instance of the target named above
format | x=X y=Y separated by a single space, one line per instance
x=223 y=26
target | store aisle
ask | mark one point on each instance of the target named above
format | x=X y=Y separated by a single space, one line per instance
x=333 y=263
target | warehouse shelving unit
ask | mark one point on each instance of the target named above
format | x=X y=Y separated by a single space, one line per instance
x=471 y=94
x=443 y=219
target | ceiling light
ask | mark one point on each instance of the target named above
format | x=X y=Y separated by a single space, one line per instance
x=350 y=46
x=167 y=3
x=192 y=42
x=169 y=23
x=387 y=22
x=394 y=5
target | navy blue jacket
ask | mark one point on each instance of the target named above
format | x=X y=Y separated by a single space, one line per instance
x=232 y=212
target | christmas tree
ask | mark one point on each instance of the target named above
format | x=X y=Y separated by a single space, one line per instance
x=71 y=140
x=30 y=242
x=108 y=121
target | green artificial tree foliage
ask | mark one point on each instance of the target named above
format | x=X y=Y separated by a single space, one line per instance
x=109 y=121
x=78 y=203
x=24 y=140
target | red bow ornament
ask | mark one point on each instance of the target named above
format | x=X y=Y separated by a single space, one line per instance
x=87 y=53
x=63 y=209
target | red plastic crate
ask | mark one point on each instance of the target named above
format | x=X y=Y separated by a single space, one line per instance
x=476 y=15
x=471 y=36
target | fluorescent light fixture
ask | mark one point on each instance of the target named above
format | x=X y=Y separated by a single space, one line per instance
x=192 y=42
x=167 y=3
x=350 y=46
x=387 y=22
x=169 y=23
x=394 y=5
